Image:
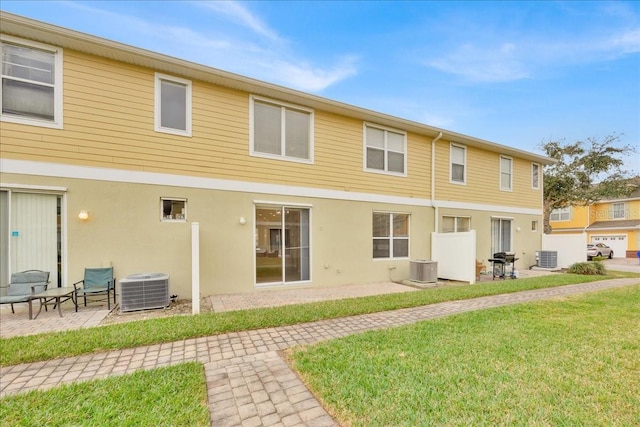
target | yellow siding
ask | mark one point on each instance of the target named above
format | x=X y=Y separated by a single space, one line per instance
x=604 y=211
x=483 y=180
x=579 y=219
x=109 y=122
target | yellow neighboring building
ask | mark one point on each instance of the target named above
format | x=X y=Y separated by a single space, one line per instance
x=616 y=223
x=111 y=153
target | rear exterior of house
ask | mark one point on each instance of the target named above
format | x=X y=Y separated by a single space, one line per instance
x=616 y=223
x=111 y=153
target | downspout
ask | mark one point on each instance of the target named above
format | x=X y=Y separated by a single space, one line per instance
x=433 y=180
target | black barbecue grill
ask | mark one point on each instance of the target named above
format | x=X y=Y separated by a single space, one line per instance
x=500 y=262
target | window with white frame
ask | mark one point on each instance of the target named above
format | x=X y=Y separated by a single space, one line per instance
x=501 y=234
x=534 y=225
x=173 y=210
x=560 y=214
x=506 y=173
x=456 y=224
x=535 y=176
x=618 y=210
x=385 y=149
x=31 y=83
x=458 y=164
x=390 y=235
x=281 y=130
x=172 y=105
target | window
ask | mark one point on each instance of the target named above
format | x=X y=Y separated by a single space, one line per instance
x=501 y=234
x=458 y=155
x=619 y=210
x=535 y=176
x=506 y=173
x=281 y=131
x=385 y=149
x=455 y=224
x=173 y=210
x=31 y=83
x=173 y=105
x=560 y=214
x=390 y=235
x=534 y=225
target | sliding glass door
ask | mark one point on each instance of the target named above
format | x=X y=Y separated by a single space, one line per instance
x=282 y=244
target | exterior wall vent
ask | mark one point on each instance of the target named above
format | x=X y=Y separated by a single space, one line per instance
x=144 y=291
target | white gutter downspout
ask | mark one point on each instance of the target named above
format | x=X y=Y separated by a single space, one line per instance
x=433 y=179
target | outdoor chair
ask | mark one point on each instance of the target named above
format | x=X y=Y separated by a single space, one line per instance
x=23 y=286
x=97 y=282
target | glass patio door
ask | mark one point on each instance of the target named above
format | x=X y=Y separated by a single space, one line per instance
x=282 y=244
x=500 y=235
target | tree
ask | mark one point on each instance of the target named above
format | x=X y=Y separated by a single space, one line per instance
x=585 y=172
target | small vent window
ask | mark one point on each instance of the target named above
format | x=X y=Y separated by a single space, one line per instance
x=173 y=210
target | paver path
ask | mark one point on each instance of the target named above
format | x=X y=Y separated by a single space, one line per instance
x=248 y=383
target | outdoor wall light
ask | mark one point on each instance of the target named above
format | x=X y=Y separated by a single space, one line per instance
x=83 y=215
x=243 y=220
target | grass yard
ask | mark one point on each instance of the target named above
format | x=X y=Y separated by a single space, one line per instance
x=48 y=346
x=568 y=362
x=173 y=396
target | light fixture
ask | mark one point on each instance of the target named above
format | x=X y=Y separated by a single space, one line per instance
x=243 y=220
x=83 y=215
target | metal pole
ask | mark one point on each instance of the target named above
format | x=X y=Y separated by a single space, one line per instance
x=195 y=268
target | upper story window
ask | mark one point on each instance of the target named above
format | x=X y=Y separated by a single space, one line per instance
x=281 y=130
x=385 y=150
x=618 y=210
x=535 y=176
x=390 y=235
x=456 y=224
x=560 y=214
x=458 y=164
x=31 y=83
x=172 y=105
x=506 y=173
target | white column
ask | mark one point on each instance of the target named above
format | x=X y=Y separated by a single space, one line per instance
x=195 y=268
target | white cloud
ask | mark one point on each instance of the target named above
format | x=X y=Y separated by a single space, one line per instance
x=524 y=56
x=238 y=13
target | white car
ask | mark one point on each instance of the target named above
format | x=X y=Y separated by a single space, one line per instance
x=598 y=249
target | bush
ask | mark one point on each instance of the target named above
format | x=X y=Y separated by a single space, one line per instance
x=588 y=268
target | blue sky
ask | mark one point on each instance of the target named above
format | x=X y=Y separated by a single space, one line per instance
x=514 y=73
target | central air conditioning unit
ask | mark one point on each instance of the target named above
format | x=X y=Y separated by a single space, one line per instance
x=144 y=291
x=424 y=271
x=548 y=259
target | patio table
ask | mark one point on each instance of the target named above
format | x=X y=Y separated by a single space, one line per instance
x=55 y=296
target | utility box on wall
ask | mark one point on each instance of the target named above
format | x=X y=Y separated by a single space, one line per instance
x=423 y=270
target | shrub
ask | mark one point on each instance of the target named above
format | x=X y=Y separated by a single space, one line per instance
x=589 y=268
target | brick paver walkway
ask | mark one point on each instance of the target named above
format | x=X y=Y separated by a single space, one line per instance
x=248 y=383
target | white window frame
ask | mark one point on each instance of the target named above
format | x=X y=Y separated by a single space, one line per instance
x=455 y=223
x=534 y=225
x=618 y=210
x=464 y=164
x=385 y=149
x=182 y=217
x=535 y=176
x=391 y=236
x=159 y=78
x=284 y=107
x=509 y=173
x=560 y=214
x=57 y=122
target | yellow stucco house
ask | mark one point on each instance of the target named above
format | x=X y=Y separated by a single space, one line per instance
x=111 y=153
x=616 y=223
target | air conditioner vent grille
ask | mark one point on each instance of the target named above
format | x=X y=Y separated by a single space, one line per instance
x=144 y=291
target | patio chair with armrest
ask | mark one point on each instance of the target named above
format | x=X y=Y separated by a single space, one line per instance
x=97 y=283
x=23 y=286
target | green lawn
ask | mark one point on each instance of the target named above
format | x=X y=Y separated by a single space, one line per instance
x=173 y=396
x=72 y=343
x=566 y=362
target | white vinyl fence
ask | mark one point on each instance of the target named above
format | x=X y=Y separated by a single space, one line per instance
x=456 y=255
x=571 y=248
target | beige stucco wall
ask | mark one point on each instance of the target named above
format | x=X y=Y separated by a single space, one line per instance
x=124 y=230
